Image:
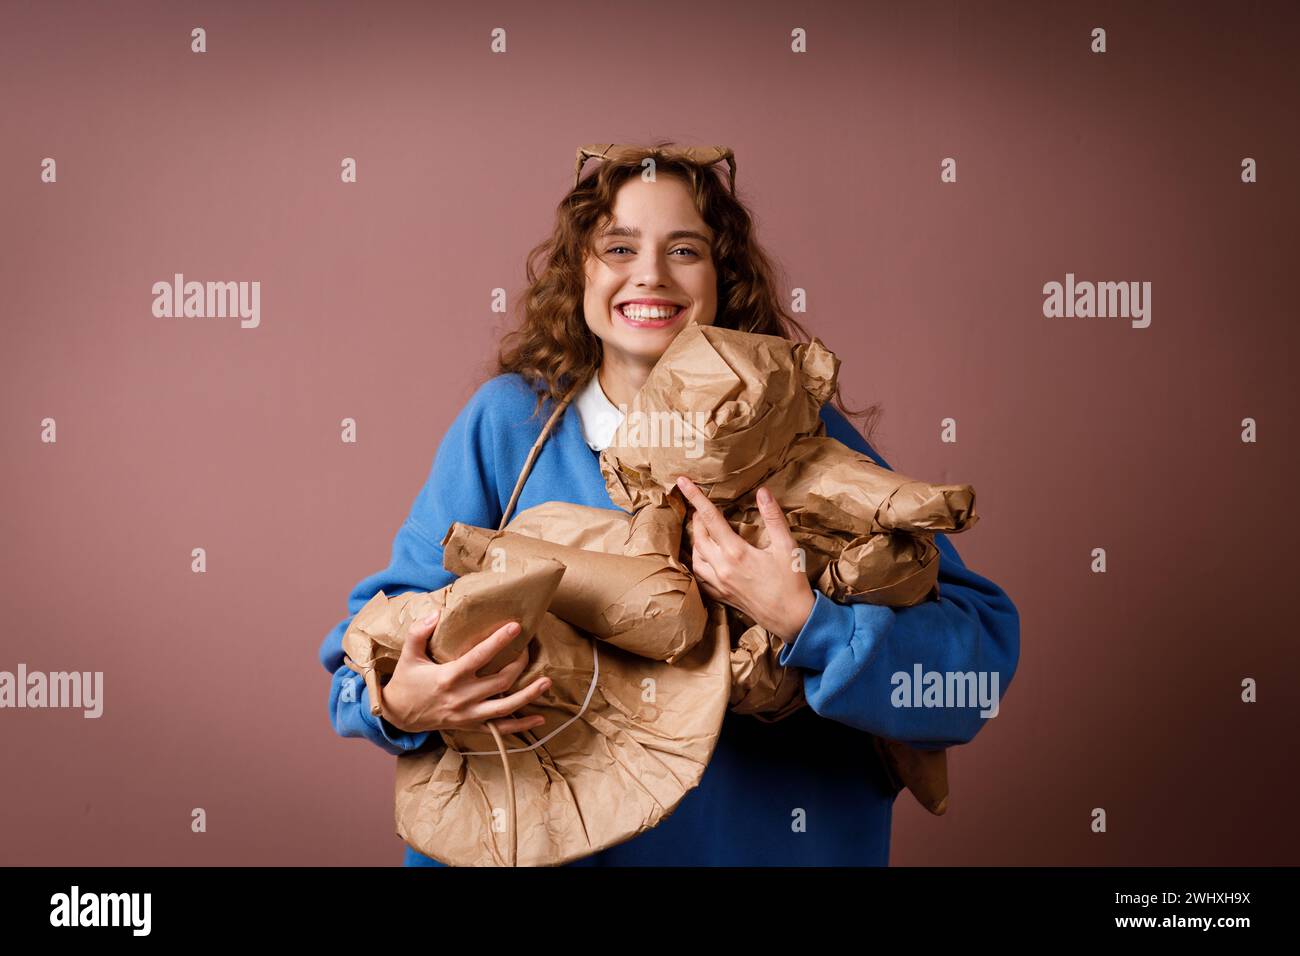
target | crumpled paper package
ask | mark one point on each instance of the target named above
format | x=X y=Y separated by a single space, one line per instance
x=721 y=406
x=626 y=735
x=732 y=411
x=735 y=410
x=759 y=685
x=924 y=772
x=625 y=739
x=472 y=608
x=892 y=568
x=638 y=596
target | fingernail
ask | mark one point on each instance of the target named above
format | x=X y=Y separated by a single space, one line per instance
x=512 y=628
x=430 y=619
x=546 y=685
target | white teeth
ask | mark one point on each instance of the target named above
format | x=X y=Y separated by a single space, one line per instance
x=644 y=313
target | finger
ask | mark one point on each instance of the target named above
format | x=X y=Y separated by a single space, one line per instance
x=700 y=561
x=712 y=593
x=710 y=546
x=515 y=724
x=481 y=653
x=502 y=680
x=707 y=551
x=699 y=532
x=713 y=520
x=778 y=528
x=504 y=706
x=707 y=577
x=708 y=583
x=415 y=646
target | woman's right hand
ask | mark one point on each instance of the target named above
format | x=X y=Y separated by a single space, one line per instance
x=425 y=695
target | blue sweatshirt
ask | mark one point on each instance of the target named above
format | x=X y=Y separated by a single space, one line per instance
x=806 y=790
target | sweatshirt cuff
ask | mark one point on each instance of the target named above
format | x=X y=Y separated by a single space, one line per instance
x=352 y=716
x=400 y=740
x=829 y=626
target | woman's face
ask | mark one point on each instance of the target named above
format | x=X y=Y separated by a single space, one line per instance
x=651 y=271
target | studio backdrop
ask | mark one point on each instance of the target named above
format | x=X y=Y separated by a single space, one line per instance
x=1055 y=243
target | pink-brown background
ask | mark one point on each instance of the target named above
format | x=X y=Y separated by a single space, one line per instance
x=1077 y=433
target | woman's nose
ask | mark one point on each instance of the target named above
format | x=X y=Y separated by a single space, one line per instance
x=651 y=268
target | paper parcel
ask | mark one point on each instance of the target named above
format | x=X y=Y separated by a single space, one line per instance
x=626 y=595
x=626 y=735
x=734 y=411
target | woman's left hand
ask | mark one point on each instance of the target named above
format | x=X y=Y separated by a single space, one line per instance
x=765 y=583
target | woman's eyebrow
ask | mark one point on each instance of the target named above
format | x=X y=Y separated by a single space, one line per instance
x=635 y=233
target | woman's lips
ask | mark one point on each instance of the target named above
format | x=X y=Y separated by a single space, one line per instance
x=650 y=323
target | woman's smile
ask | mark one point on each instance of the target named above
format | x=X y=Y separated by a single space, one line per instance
x=649 y=313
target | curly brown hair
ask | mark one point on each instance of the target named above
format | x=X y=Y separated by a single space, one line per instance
x=555 y=351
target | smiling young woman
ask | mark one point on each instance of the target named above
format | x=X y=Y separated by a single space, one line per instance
x=647 y=243
x=681 y=239
x=648 y=274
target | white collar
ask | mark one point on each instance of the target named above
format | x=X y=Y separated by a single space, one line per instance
x=600 y=419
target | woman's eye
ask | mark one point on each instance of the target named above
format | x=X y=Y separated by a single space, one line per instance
x=616 y=249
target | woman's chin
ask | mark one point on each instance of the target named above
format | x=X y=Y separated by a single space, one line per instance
x=644 y=347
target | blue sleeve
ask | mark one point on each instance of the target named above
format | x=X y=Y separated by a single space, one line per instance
x=851 y=652
x=462 y=486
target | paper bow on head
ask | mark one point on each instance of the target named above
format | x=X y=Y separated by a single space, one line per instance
x=701 y=155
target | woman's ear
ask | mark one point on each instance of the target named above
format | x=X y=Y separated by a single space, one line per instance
x=820 y=367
